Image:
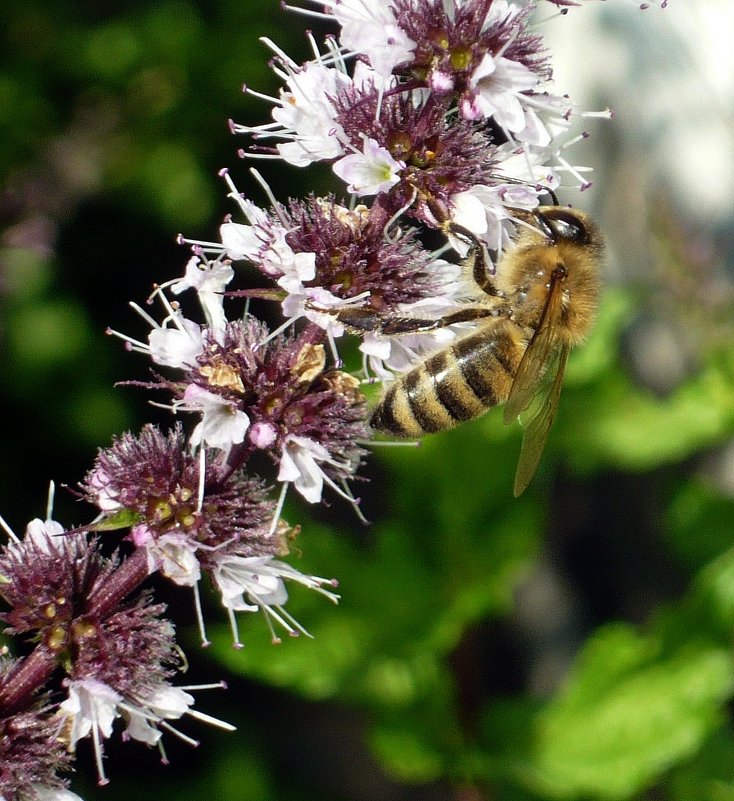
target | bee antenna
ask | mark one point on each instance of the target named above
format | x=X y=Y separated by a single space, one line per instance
x=548 y=229
x=553 y=196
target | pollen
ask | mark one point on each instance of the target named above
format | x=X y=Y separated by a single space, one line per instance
x=309 y=363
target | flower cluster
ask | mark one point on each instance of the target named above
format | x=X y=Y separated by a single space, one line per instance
x=440 y=119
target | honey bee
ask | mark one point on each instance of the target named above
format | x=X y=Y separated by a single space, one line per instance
x=540 y=303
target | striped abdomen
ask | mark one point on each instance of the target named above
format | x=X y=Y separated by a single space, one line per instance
x=454 y=384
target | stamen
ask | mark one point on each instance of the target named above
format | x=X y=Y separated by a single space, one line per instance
x=282 y=620
x=576 y=172
x=304 y=12
x=287 y=60
x=212 y=721
x=274 y=639
x=144 y=314
x=235 y=194
x=215 y=685
x=389 y=443
x=279 y=330
x=393 y=220
x=338 y=362
x=50 y=500
x=205 y=641
x=278 y=508
x=236 y=642
x=605 y=114
x=294 y=623
x=162 y=752
x=9 y=531
x=102 y=779
x=354 y=502
x=270 y=196
x=181 y=736
x=202 y=470
x=314 y=47
x=267 y=98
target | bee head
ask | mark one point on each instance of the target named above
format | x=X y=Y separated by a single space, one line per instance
x=563 y=225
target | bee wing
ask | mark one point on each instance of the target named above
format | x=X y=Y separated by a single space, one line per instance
x=537 y=357
x=541 y=418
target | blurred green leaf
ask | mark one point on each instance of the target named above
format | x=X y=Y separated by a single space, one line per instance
x=623 y=718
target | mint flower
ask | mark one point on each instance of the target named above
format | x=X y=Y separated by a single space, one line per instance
x=370 y=172
x=92 y=707
x=251 y=584
x=32 y=752
x=441 y=121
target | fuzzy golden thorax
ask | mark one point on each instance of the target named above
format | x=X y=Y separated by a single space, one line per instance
x=561 y=245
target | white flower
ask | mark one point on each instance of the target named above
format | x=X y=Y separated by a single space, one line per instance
x=241 y=242
x=370 y=172
x=178 y=346
x=222 y=425
x=175 y=556
x=92 y=707
x=255 y=577
x=500 y=11
x=307 y=115
x=371 y=28
x=43 y=793
x=165 y=703
x=44 y=534
x=291 y=267
x=299 y=464
x=397 y=354
x=209 y=279
x=263 y=434
x=104 y=496
x=252 y=583
x=485 y=211
x=91 y=704
x=497 y=83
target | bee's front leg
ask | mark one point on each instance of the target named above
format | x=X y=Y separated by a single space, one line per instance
x=362 y=320
x=477 y=262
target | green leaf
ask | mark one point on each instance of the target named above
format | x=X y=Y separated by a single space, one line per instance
x=125 y=518
x=626 y=715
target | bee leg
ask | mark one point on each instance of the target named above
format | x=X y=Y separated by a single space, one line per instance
x=478 y=260
x=363 y=320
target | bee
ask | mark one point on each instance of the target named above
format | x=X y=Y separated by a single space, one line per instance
x=539 y=304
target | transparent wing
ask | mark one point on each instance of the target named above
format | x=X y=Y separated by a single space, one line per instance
x=538 y=424
x=538 y=355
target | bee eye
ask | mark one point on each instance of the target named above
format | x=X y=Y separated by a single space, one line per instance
x=566 y=225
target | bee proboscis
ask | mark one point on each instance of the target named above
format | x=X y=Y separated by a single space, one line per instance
x=540 y=303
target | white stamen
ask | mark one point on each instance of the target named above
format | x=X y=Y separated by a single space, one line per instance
x=50 y=500
x=202 y=469
x=398 y=214
x=236 y=642
x=181 y=736
x=215 y=685
x=102 y=779
x=212 y=721
x=9 y=531
x=338 y=362
x=279 y=330
x=304 y=12
x=278 y=508
x=388 y=443
x=354 y=502
x=287 y=60
x=205 y=641
x=270 y=196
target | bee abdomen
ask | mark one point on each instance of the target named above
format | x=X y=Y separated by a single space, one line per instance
x=455 y=384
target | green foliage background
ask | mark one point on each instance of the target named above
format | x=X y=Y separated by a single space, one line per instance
x=573 y=644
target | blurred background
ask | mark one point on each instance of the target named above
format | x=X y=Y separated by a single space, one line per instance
x=573 y=644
